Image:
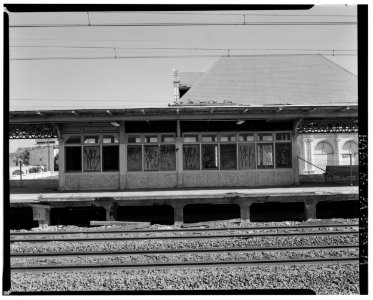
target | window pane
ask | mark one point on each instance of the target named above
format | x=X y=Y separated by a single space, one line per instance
x=168 y=158
x=246 y=137
x=151 y=158
x=134 y=158
x=246 y=156
x=265 y=156
x=191 y=157
x=73 y=157
x=73 y=140
x=134 y=139
x=209 y=156
x=168 y=139
x=91 y=140
x=283 y=155
x=109 y=139
x=91 y=159
x=265 y=137
x=110 y=158
x=208 y=138
x=190 y=138
x=151 y=139
x=228 y=157
x=282 y=136
x=227 y=138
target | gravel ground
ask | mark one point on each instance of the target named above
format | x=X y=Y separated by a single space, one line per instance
x=174 y=258
x=60 y=246
x=322 y=279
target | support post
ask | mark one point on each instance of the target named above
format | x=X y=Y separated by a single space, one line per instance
x=122 y=156
x=61 y=164
x=337 y=150
x=295 y=160
x=41 y=213
x=245 y=211
x=179 y=155
x=310 y=209
x=178 y=214
x=111 y=211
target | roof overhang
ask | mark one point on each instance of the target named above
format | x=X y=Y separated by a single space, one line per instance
x=224 y=112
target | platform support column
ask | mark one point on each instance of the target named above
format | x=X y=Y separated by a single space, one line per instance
x=310 y=210
x=111 y=211
x=245 y=211
x=178 y=214
x=122 y=156
x=295 y=160
x=41 y=213
x=61 y=164
x=179 y=155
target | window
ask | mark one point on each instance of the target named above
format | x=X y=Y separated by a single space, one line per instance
x=210 y=156
x=246 y=137
x=151 y=158
x=110 y=158
x=227 y=138
x=187 y=138
x=152 y=155
x=109 y=139
x=73 y=140
x=98 y=153
x=151 y=139
x=91 y=159
x=134 y=139
x=265 y=137
x=246 y=156
x=283 y=136
x=168 y=158
x=209 y=138
x=91 y=140
x=134 y=158
x=73 y=158
x=191 y=160
x=283 y=155
x=265 y=156
x=228 y=156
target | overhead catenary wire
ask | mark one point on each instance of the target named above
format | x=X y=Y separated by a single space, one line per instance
x=240 y=23
x=152 y=56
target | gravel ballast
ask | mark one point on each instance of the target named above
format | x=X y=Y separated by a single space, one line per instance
x=322 y=279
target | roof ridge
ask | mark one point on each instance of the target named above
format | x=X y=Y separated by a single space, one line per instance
x=337 y=65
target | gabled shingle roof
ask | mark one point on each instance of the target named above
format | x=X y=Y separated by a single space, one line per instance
x=275 y=80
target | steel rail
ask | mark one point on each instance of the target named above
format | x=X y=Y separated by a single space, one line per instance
x=126 y=238
x=184 y=229
x=168 y=265
x=183 y=251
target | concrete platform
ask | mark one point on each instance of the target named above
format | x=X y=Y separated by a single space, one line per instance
x=310 y=196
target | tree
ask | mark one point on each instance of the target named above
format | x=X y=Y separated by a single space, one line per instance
x=23 y=154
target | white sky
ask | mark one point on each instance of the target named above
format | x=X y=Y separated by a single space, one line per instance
x=94 y=83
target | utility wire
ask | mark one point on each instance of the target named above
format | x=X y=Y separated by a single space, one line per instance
x=178 y=48
x=153 y=56
x=184 y=24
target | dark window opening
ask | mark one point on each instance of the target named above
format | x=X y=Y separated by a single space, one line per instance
x=228 y=157
x=210 y=156
x=191 y=157
x=73 y=158
x=134 y=158
x=110 y=158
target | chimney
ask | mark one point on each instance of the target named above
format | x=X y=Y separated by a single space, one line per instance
x=176 y=85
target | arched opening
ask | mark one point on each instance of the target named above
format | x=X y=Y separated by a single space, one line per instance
x=324 y=155
x=350 y=149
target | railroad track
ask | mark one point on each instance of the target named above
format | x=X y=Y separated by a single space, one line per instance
x=18 y=259
x=153 y=234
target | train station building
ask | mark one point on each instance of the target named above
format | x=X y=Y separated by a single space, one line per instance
x=248 y=121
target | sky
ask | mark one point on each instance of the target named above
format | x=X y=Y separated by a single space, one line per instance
x=106 y=82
